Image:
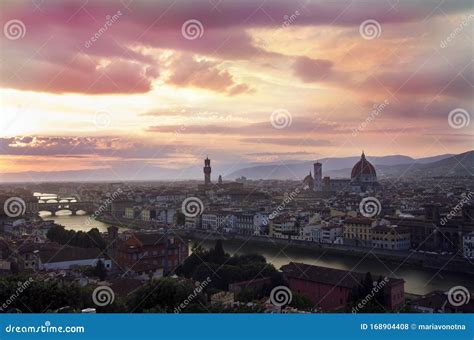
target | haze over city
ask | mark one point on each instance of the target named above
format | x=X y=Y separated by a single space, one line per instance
x=142 y=94
x=245 y=157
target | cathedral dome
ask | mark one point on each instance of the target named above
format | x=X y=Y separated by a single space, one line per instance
x=309 y=181
x=363 y=168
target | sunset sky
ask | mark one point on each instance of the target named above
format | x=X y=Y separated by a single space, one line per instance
x=247 y=82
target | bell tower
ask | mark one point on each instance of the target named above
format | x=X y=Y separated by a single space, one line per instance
x=207 y=171
x=318 y=176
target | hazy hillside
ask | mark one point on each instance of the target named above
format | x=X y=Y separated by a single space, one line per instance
x=458 y=165
x=389 y=166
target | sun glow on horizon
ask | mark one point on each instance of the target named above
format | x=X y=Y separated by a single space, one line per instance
x=147 y=92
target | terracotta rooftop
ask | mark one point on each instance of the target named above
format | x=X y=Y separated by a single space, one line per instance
x=438 y=300
x=329 y=276
x=358 y=220
x=69 y=254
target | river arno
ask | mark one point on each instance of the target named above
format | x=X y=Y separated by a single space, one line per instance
x=78 y=222
x=417 y=280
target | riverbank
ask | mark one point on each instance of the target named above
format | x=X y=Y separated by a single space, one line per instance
x=399 y=258
x=418 y=279
x=396 y=258
x=125 y=223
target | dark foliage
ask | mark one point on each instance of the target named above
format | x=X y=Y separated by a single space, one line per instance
x=224 y=269
x=90 y=239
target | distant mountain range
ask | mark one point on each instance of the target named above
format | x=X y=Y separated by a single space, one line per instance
x=386 y=166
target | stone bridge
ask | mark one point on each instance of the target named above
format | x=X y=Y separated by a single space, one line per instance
x=54 y=207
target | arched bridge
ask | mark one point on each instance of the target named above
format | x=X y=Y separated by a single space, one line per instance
x=53 y=206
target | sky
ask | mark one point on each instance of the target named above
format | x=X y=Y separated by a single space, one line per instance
x=116 y=84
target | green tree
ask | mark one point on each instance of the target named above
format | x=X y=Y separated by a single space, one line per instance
x=224 y=269
x=180 y=218
x=368 y=283
x=39 y=296
x=166 y=294
x=100 y=270
x=91 y=239
x=197 y=249
x=189 y=265
x=248 y=295
x=301 y=302
x=219 y=249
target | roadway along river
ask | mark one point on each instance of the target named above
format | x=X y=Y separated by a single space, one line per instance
x=417 y=280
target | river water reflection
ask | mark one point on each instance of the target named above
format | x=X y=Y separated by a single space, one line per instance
x=417 y=280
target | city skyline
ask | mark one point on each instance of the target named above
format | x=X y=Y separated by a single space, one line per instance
x=213 y=158
x=129 y=85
